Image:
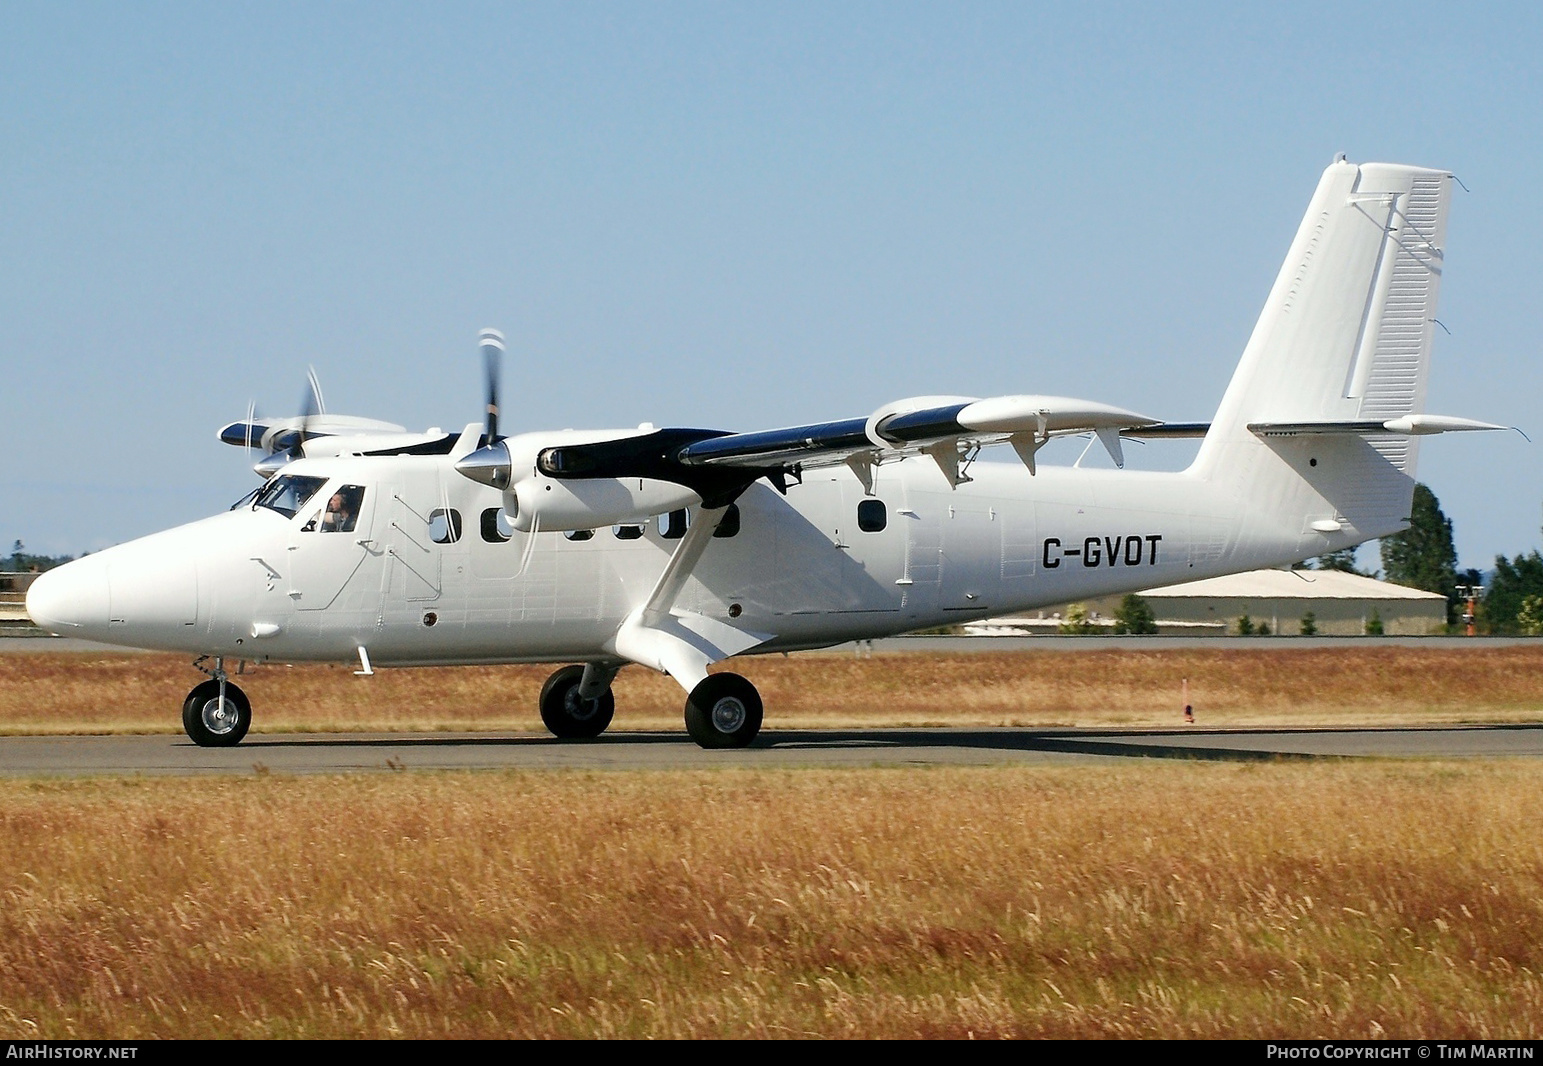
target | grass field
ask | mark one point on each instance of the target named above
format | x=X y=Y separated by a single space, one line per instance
x=1140 y=898
x=1148 y=898
x=1357 y=684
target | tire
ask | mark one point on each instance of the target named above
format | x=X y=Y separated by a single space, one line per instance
x=210 y=726
x=724 y=711
x=567 y=716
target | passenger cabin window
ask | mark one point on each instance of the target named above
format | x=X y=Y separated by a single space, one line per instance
x=728 y=525
x=627 y=532
x=444 y=525
x=342 y=511
x=496 y=527
x=672 y=526
x=288 y=493
x=872 y=516
x=579 y=534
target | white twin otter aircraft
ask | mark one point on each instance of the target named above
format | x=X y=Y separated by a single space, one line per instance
x=678 y=548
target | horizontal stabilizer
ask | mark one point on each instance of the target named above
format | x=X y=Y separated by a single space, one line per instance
x=1405 y=426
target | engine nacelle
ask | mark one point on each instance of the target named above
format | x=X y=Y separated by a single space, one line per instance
x=548 y=503
x=524 y=468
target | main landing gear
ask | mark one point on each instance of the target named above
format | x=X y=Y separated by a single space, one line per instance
x=216 y=713
x=723 y=711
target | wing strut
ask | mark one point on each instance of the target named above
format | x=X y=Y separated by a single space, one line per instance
x=678 y=569
x=680 y=644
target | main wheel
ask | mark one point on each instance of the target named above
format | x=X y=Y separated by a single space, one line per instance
x=570 y=717
x=724 y=711
x=213 y=723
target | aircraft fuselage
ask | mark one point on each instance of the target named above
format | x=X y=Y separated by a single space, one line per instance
x=430 y=575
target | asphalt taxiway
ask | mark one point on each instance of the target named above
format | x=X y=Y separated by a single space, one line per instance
x=308 y=753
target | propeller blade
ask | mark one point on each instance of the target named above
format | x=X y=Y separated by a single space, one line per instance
x=491 y=341
x=311 y=405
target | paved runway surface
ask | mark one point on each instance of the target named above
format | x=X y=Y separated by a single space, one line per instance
x=351 y=752
x=975 y=645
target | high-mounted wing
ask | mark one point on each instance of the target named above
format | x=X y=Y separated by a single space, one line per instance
x=948 y=428
x=718 y=465
x=282 y=440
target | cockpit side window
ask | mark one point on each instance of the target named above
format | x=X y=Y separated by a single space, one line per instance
x=287 y=493
x=342 y=512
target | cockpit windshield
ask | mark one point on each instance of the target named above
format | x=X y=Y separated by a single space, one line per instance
x=288 y=493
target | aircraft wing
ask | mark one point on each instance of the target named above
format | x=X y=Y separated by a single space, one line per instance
x=949 y=428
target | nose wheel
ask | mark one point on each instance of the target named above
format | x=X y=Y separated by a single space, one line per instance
x=723 y=711
x=216 y=719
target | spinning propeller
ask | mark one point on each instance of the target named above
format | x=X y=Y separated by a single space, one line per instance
x=491 y=341
x=288 y=444
x=490 y=463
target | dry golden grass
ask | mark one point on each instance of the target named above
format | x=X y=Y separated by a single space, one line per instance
x=1356 y=684
x=1149 y=899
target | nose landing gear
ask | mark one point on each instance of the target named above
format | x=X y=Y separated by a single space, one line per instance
x=577 y=702
x=216 y=713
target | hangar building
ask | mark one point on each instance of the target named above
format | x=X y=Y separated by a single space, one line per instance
x=1342 y=604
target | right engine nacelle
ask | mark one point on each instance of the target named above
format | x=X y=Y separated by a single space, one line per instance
x=541 y=502
x=522 y=467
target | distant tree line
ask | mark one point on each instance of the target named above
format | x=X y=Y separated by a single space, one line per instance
x=21 y=561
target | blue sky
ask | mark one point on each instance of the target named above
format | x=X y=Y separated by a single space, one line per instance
x=731 y=215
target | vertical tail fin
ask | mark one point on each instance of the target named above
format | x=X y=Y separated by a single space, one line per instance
x=1345 y=336
x=1346 y=333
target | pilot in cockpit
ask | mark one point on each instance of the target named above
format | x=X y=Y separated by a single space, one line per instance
x=342 y=510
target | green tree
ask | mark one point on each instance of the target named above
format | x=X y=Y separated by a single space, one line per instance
x=1245 y=626
x=1342 y=560
x=1513 y=581
x=1530 y=618
x=1134 y=615
x=1077 y=623
x=1423 y=556
x=1374 y=625
x=1309 y=626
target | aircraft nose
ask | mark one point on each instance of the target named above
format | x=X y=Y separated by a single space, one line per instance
x=70 y=599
